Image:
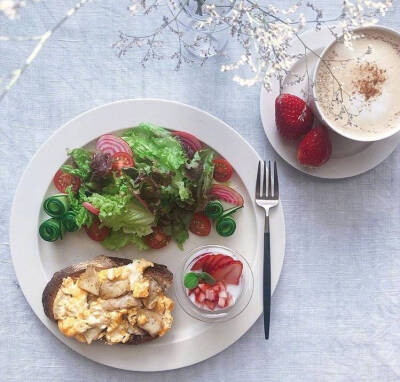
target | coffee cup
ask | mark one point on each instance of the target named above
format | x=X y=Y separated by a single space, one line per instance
x=356 y=87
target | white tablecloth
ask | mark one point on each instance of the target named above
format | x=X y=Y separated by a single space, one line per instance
x=336 y=310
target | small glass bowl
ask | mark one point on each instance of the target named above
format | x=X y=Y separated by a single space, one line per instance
x=219 y=315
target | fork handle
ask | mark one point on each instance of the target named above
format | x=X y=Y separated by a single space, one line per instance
x=267 y=284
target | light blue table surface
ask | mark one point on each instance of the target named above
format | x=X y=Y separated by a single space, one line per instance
x=336 y=310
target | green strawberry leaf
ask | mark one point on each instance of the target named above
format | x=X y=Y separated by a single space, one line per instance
x=206 y=277
x=191 y=280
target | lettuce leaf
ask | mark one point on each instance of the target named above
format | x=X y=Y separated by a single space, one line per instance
x=173 y=185
x=83 y=216
x=178 y=182
x=206 y=178
x=118 y=185
x=180 y=235
x=154 y=143
x=119 y=239
x=81 y=158
x=194 y=168
x=178 y=230
x=157 y=150
x=121 y=212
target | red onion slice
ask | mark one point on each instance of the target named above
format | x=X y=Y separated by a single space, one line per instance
x=91 y=208
x=227 y=194
x=189 y=142
x=111 y=144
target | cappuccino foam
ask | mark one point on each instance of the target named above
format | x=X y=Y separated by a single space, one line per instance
x=367 y=104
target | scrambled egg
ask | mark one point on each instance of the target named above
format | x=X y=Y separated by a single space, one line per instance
x=86 y=317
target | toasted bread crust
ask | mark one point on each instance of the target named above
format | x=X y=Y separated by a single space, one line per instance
x=52 y=287
x=159 y=272
x=137 y=340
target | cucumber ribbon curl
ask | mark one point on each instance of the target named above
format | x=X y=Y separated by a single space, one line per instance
x=224 y=223
x=68 y=220
x=214 y=209
x=51 y=230
x=56 y=205
x=225 y=226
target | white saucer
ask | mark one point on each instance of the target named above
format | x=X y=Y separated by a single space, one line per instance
x=349 y=158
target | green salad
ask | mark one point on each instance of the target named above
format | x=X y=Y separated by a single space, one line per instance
x=146 y=187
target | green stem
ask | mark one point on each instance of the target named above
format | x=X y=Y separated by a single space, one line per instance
x=230 y=211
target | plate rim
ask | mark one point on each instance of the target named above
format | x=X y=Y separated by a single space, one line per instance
x=387 y=145
x=49 y=325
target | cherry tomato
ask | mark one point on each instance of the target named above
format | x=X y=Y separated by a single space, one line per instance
x=158 y=239
x=122 y=160
x=200 y=224
x=222 y=170
x=95 y=232
x=63 y=180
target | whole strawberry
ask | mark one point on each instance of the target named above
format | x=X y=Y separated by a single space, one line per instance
x=293 y=117
x=315 y=148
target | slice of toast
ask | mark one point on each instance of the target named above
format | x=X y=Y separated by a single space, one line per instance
x=158 y=272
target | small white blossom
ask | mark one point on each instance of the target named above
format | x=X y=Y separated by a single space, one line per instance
x=264 y=33
x=10 y=8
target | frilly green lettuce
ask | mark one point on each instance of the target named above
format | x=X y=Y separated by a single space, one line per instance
x=156 y=144
x=206 y=178
x=164 y=188
x=83 y=216
x=81 y=158
x=156 y=148
x=119 y=239
x=123 y=213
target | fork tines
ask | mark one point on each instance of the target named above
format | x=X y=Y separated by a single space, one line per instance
x=265 y=192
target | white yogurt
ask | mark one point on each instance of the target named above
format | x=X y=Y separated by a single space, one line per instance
x=233 y=290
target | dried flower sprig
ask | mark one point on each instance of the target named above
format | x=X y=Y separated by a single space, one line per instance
x=152 y=43
x=264 y=33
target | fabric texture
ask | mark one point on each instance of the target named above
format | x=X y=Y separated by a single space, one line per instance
x=335 y=313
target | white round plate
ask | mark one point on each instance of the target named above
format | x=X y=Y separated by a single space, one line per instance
x=35 y=261
x=349 y=158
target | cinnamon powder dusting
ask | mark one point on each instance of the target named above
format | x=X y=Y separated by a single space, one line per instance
x=369 y=80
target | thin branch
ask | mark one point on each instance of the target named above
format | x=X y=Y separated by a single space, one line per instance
x=264 y=33
x=17 y=73
x=20 y=38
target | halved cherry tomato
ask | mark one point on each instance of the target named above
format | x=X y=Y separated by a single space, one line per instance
x=95 y=232
x=200 y=224
x=222 y=170
x=122 y=160
x=158 y=239
x=62 y=181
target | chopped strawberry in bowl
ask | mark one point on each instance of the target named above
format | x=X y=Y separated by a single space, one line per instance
x=216 y=283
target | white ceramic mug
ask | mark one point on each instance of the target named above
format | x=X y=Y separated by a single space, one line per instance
x=348 y=134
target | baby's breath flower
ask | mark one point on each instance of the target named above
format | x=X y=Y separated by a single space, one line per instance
x=264 y=33
x=10 y=8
